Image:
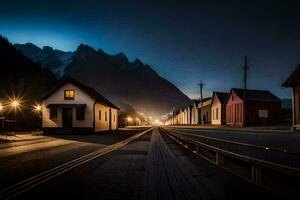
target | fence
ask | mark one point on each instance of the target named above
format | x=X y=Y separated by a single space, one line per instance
x=272 y=176
x=7 y=126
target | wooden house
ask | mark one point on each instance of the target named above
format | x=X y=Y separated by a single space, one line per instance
x=261 y=108
x=72 y=107
x=195 y=112
x=218 y=108
x=187 y=115
x=294 y=82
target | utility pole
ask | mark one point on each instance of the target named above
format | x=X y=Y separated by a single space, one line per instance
x=201 y=85
x=245 y=68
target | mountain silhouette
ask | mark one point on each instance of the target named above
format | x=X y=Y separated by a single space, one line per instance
x=55 y=60
x=124 y=82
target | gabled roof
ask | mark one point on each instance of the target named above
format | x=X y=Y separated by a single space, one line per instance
x=89 y=91
x=222 y=96
x=195 y=101
x=255 y=95
x=292 y=78
x=204 y=100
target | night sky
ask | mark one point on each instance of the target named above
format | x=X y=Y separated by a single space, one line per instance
x=183 y=41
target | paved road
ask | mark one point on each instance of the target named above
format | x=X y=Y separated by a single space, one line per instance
x=150 y=167
x=277 y=141
x=30 y=158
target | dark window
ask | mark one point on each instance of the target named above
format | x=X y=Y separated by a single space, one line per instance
x=80 y=113
x=114 y=118
x=69 y=94
x=53 y=113
x=105 y=116
x=217 y=113
x=99 y=114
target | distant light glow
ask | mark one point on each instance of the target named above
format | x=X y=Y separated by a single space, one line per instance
x=129 y=119
x=157 y=122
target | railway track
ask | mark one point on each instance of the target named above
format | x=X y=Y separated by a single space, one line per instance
x=270 y=175
x=29 y=183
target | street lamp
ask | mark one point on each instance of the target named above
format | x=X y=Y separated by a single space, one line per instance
x=129 y=120
x=38 y=109
x=137 y=120
x=15 y=103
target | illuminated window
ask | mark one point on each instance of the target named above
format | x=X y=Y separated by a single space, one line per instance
x=69 y=94
x=53 y=113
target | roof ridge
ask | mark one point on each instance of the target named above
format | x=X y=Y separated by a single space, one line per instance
x=87 y=89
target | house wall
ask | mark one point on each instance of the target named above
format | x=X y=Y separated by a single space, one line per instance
x=114 y=119
x=218 y=117
x=180 y=121
x=216 y=110
x=184 y=116
x=296 y=101
x=103 y=124
x=234 y=110
x=206 y=113
x=58 y=98
x=195 y=114
x=257 y=112
x=189 y=112
x=273 y=110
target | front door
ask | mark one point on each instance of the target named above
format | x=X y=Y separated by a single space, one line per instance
x=67 y=118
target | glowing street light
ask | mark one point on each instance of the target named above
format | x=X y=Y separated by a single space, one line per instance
x=15 y=103
x=129 y=119
x=38 y=108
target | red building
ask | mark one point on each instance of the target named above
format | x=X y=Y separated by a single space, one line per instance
x=294 y=82
x=262 y=108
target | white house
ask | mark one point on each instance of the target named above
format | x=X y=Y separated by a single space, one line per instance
x=74 y=107
x=218 y=108
x=195 y=113
x=206 y=110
